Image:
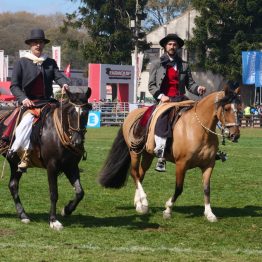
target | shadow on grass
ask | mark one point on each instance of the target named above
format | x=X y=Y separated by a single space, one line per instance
x=141 y=221
x=197 y=211
x=130 y=221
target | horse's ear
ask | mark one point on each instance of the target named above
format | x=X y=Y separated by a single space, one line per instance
x=226 y=89
x=237 y=91
x=231 y=86
x=67 y=91
x=89 y=92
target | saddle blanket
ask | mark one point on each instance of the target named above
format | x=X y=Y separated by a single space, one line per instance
x=160 y=109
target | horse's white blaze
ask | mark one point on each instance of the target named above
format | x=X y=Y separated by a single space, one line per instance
x=56 y=225
x=79 y=109
x=209 y=214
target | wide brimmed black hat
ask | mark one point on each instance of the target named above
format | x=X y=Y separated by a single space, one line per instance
x=169 y=37
x=36 y=34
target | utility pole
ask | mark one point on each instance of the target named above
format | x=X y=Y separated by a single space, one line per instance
x=136 y=50
x=138 y=36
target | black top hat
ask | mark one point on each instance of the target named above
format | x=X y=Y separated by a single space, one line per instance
x=169 y=37
x=36 y=34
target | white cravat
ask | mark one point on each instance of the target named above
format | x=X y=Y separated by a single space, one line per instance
x=35 y=59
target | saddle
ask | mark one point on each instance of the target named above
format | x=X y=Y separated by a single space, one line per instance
x=11 y=118
x=142 y=132
x=8 y=121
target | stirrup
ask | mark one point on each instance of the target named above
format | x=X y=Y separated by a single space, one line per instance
x=24 y=163
x=221 y=156
x=161 y=165
x=10 y=154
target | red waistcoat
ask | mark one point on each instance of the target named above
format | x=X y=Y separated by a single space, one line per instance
x=37 y=89
x=170 y=83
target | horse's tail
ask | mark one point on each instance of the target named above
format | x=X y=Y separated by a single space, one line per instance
x=115 y=170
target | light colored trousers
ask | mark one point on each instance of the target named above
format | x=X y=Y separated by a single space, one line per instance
x=22 y=133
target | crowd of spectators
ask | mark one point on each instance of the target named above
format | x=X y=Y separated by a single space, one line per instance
x=252 y=115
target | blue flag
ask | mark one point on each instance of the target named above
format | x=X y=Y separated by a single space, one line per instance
x=248 y=67
x=258 y=69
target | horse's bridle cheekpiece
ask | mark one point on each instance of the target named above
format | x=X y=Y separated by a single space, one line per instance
x=225 y=126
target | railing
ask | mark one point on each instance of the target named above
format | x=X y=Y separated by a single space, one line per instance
x=251 y=121
x=112 y=114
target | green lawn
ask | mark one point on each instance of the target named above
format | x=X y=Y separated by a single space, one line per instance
x=105 y=227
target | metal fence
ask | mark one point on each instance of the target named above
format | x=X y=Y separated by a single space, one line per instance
x=251 y=121
x=112 y=114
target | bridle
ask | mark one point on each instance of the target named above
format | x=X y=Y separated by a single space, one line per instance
x=66 y=139
x=79 y=111
x=225 y=126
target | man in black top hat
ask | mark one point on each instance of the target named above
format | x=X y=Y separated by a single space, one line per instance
x=32 y=80
x=169 y=77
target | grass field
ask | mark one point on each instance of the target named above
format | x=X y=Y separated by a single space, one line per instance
x=105 y=227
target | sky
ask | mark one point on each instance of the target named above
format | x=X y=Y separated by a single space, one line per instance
x=42 y=7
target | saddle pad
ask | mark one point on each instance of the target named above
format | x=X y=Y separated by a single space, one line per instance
x=130 y=120
x=160 y=109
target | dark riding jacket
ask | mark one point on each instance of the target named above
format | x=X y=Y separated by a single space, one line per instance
x=157 y=74
x=25 y=72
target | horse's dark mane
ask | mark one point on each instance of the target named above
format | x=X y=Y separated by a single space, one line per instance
x=229 y=98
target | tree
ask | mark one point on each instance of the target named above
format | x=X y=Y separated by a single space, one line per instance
x=161 y=12
x=107 y=24
x=224 y=29
x=15 y=27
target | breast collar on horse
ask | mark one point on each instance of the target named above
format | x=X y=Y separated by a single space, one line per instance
x=224 y=128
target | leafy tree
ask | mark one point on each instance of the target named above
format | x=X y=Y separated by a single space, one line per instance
x=161 y=12
x=224 y=29
x=107 y=24
x=15 y=27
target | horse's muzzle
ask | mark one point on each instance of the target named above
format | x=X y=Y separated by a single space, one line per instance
x=234 y=137
x=232 y=133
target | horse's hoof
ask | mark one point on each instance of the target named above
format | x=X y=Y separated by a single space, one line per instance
x=166 y=215
x=211 y=218
x=142 y=209
x=25 y=220
x=56 y=225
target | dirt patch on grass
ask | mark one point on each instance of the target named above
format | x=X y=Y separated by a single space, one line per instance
x=6 y=232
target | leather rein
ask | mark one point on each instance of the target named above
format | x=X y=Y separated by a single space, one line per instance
x=225 y=126
x=63 y=136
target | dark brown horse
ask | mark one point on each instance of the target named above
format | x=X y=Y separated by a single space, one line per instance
x=59 y=149
x=194 y=144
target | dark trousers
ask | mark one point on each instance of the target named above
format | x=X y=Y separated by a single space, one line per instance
x=164 y=123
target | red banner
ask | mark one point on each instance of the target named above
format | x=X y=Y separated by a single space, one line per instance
x=68 y=71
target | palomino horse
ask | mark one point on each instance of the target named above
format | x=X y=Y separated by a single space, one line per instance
x=59 y=149
x=195 y=144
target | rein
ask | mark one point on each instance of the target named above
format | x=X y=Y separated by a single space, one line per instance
x=225 y=125
x=64 y=138
x=206 y=128
x=78 y=129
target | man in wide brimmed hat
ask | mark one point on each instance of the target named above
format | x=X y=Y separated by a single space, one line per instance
x=169 y=77
x=32 y=80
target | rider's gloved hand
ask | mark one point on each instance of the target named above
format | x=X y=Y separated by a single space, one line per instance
x=201 y=90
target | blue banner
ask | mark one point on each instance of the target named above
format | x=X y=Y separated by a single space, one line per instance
x=258 y=69
x=248 y=67
x=94 y=119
